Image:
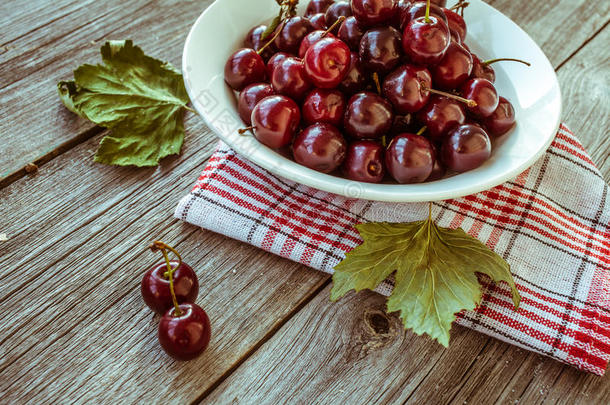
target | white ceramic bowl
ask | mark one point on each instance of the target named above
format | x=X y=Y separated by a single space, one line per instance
x=533 y=91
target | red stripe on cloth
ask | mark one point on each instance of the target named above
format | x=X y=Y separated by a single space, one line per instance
x=304 y=221
x=569 y=139
x=507 y=221
x=565 y=148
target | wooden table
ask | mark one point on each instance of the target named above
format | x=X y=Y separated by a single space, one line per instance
x=74 y=327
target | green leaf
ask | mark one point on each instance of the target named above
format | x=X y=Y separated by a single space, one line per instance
x=141 y=99
x=271 y=28
x=435 y=272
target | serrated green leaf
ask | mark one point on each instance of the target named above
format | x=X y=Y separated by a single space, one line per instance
x=435 y=272
x=141 y=99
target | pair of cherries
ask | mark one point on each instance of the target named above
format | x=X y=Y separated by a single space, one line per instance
x=170 y=289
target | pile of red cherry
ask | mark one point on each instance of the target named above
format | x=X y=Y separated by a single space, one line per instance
x=371 y=86
x=170 y=288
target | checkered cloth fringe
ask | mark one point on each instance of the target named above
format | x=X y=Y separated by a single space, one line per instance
x=551 y=224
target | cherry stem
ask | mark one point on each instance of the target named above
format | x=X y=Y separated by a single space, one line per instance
x=384 y=141
x=332 y=27
x=277 y=32
x=163 y=247
x=490 y=61
x=468 y=102
x=186 y=107
x=246 y=129
x=427 y=18
x=376 y=80
x=422 y=130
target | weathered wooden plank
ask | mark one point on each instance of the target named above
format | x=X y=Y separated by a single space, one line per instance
x=559 y=27
x=585 y=87
x=41 y=59
x=335 y=353
x=78 y=233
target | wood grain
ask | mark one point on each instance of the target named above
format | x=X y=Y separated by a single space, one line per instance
x=30 y=70
x=585 y=86
x=77 y=294
x=352 y=352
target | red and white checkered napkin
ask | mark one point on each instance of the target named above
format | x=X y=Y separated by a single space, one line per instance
x=551 y=224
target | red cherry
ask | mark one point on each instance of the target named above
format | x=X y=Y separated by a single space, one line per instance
x=317 y=6
x=254 y=40
x=438 y=171
x=155 y=286
x=324 y=106
x=327 y=62
x=186 y=335
x=483 y=93
x=275 y=120
x=351 y=33
x=244 y=67
x=368 y=116
x=402 y=123
x=402 y=8
x=418 y=9
x=456 y=22
x=274 y=61
x=440 y=115
x=502 y=119
x=364 y=162
x=403 y=88
x=454 y=69
x=337 y=10
x=290 y=79
x=292 y=33
x=380 y=50
x=373 y=12
x=410 y=158
x=318 y=21
x=356 y=79
x=249 y=97
x=320 y=147
x=426 y=42
x=481 y=70
x=465 y=147
x=312 y=38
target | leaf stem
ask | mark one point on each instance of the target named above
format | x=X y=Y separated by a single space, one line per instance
x=190 y=109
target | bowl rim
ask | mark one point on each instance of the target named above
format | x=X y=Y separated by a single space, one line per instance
x=361 y=190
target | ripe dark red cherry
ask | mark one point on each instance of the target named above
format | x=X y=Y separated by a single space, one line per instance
x=155 y=286
x=454 y=69
x=401 y=15
x=368 y=116
x=325 y=106
x=275 y=120
x=274 y=61
x=418 y=9
x=465 y=147
x=481 y=70
x=456 y=22
x=403 y=87
x=312 y=38
x=373 y=12
x=438 y=171
x=501 y=120
x=249 y=97
x=293 y=32
x=327 y=62
x=318 y=21
x=336 y=10
x=364 y=162
x=380 y=50
x=351 y=33
x=320 y=147
x=244 y=67
x=186 y=335
x=483 y=93
x=254 y=40
x=317 y=6
x=440 y=115
x=402 y=123
x=356 y=79
x=410 y=158
x=426 y=42
x=290 y=79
